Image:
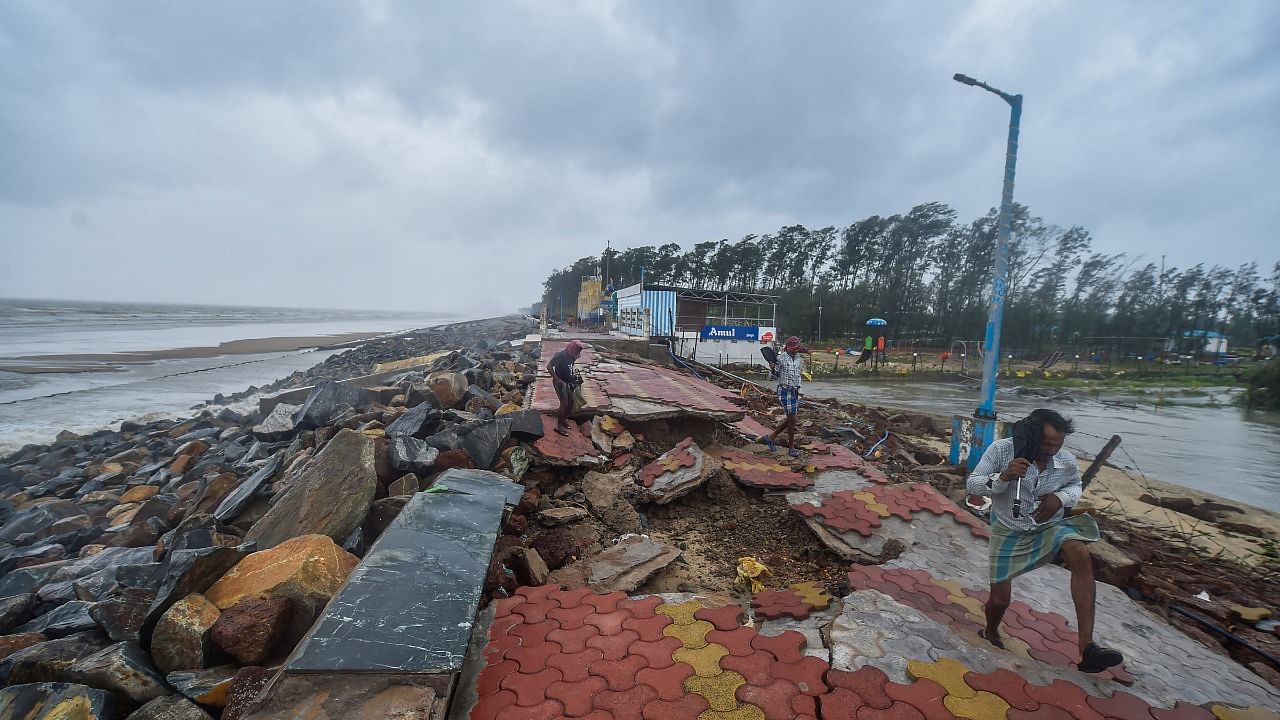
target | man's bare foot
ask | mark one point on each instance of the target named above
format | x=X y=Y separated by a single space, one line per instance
x=991 y=637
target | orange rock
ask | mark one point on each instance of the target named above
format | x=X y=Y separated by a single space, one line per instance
x=140 y=493
x=181 y=640
x=307 y=570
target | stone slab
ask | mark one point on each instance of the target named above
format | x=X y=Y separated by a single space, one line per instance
x=408 y=608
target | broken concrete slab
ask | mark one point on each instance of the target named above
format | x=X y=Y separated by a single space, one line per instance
x=622 y=567
x=676 y=472
x=606 y=495
x=573 y=449
x=561 y=515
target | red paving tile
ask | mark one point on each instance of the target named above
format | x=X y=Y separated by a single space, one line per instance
x=1045 y=712
x=1065 y=695
x=575 y=666
x=533 y=658
x=619 y=674
x=530 y=689
x=688 y=707
x=1005 y=683
x=787 y=647
x=667 y=682
x=532 y=633
x=609 y=623
x=724 y=618
x=736 y=641
x=757 y=667
x=626 y=705
x=657 y=654
x=572 y=641
x=763 y=471
x=535 y=611
x=605 y=603
x=751 y=428
x=670 y=461
x=649 y=629
x=899 y=711
x=658 y=384
x=778 y=603
x=571 y=618
x=576 y=696
x=774 y=699
x=925 y=695
x=809 y=675
x=840 y=703
x=490 y=680
x=616 y=646
x=546 y=710
x=868 y=683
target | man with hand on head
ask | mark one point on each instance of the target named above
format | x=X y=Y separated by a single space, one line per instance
x=788 y=367
x=1032 y=481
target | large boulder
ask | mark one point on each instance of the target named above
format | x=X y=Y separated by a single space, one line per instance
x=449 y=388
x=66 y=619
x=15 y=610
x=306 y=570
x=325 y=402
x=10 y=644
x=170 y=707
x=244 y=689
x=181 y=640
x=278 y=424
x=409 y=454
x=206 y=687
x=417 y=422
x=122 y=612
x=250 y=630
x=49 y=660
x=329 y=497
x=56 y=701
x=33 y=524
x=484 y=442
x=124 y=669
x=187 y=572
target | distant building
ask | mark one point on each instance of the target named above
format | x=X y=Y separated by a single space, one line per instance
x=1206 y=342
x=712 y=326
x=590 y=298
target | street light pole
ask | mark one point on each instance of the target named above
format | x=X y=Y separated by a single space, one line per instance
x=819 y=323
x=985 y=425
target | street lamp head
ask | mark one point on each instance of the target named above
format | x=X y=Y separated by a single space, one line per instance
x=962 y=78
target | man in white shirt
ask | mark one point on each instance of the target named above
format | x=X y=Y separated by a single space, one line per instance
x=1032 y=481
x=788 y=366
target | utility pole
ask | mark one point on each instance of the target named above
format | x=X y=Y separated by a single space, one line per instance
x=984 y=429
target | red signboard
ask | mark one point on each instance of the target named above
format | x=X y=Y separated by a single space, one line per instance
x=767 y=337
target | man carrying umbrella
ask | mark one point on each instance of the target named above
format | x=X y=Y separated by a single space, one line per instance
x=788 y=367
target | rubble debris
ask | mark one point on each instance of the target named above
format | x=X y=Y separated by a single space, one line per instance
x=676 y=472
x=622 y=567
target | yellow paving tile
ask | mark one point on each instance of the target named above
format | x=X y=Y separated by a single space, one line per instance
x=983 y=706
x=742 y=712
x=705 y=660
x=720 y=691
x=681 y=614
x=1222 y=712
x=611 y=425
x=972 y=607
x=953 y=587
x=813 y=593
x=873 y=503
x=693 y=635
x=946 y=672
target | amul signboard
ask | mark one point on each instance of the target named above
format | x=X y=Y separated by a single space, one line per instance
x=730 y=332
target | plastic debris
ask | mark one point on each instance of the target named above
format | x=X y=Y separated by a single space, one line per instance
x=751 y=571
x=1203 y=596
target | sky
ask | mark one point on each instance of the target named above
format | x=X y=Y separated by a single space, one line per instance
x=449 y=155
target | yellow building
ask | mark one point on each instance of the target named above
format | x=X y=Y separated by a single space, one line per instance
x=590 y=295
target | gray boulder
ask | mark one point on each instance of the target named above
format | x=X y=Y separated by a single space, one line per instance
x=124 y=669
x=330 y=497
x=417 y=422
x=409 y=454
x=278 y=425
x=239 y=498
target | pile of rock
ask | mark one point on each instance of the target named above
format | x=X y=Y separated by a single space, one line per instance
x=167 y=568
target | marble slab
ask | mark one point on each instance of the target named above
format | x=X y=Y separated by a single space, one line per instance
x=409 y=606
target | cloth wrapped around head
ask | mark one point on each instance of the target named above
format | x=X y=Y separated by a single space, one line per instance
x=574 y=347
x=792 y=344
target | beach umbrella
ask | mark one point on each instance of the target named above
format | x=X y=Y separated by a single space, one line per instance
x=877 y=322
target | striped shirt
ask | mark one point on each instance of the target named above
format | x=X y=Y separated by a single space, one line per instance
x=1060 y=477
x=789 y=369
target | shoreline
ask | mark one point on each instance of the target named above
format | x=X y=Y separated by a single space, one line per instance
x=108 y=362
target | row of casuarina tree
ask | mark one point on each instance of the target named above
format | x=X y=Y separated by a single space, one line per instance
x=929 y=274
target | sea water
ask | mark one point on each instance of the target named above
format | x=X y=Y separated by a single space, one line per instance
x=35 y=406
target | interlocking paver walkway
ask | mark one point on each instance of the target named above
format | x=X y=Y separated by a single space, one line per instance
x=654 y=658
x=763 y=471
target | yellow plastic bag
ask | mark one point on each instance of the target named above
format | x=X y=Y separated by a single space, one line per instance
x=750 y=571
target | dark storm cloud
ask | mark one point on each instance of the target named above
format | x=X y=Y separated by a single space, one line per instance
x=251 y=152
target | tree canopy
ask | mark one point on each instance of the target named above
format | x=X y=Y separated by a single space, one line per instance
x=928 y=273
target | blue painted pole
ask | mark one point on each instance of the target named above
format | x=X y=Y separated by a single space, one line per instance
x=984 y=431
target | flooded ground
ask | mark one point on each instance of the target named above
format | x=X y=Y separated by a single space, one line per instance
x=1222 y=449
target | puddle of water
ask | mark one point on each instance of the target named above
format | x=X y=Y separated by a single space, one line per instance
x=1223 y=450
